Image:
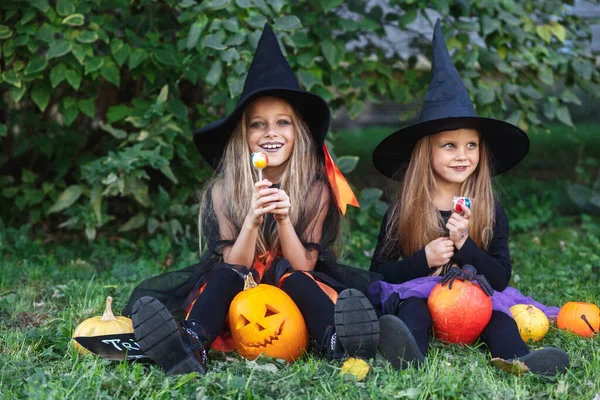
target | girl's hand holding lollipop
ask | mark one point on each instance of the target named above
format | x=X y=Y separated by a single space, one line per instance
x=263 y=200
x=458 y=224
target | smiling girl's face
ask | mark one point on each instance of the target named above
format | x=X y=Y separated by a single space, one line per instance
x=455 y=155
x=270 y=129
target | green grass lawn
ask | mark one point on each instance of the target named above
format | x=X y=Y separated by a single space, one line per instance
x=46 y=292
x=47 y=289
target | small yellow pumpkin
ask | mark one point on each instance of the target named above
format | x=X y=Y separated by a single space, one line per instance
x=532 y=322
x=107 y=324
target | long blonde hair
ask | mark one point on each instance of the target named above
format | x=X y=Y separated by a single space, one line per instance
x=413 y=218
x=237 y=177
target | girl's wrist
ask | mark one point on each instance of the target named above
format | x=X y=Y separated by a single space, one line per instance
x=427 y=257
x=461 y=242
x=250 y=224
x=283 y=220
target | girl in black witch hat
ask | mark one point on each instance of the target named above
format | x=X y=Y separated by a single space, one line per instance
x=282 y=229
x=450 y=152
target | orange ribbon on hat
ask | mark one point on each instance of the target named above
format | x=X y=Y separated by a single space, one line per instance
x=341 y=189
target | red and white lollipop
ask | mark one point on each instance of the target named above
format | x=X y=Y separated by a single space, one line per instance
x=460 y=203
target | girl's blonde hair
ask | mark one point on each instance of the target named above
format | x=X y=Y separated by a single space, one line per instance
x=236 y=177
x=413 y=218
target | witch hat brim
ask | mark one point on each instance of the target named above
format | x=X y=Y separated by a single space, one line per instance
x=447 y=106
x=269 y=75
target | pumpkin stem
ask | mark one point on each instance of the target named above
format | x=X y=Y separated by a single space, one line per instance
x=108 y=314
x=583 y=317
x=249 y=282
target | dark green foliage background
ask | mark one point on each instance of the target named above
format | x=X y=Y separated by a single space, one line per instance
x=99 y=98
x=98 y=102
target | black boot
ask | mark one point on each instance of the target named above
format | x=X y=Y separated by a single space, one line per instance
x=178 y=349
x=397 y=343
x=356 y=327
x=547 y=361
x=331 y=347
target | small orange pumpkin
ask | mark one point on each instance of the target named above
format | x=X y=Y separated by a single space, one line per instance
x=264 y=320
x=532 y=322
x=580 y=318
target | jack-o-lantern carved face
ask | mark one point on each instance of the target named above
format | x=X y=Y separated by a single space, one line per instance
x=265 y=320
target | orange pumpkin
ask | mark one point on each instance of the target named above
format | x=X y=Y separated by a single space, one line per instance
x=580 y=318
x=531 y=321
x=459 y=314
x=264 y=320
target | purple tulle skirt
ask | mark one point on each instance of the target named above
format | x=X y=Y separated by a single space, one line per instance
x=379 y=292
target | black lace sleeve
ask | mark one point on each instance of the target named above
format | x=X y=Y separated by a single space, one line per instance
x=212 y=239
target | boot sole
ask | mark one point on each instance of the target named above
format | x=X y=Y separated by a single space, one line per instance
x=397 y=343
x=158 y=335
x=547 y=361
x=356 y=324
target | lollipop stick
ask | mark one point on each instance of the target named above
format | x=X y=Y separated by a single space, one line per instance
x=260 y=175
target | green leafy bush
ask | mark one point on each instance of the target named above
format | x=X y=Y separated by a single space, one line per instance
x=100 y=97
x=585 y=193
x=362 y=229
x=530 y=212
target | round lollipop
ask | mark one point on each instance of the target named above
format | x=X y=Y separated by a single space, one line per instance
x=259 y=160
x=460 y=203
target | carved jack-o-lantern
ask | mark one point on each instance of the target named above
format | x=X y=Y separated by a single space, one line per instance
x=264 y=320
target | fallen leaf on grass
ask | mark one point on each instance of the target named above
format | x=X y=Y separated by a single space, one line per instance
x=514 y=367
x=357 y=367
x=262 y=367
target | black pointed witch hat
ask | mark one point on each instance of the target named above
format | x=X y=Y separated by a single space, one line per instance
x=446 y=107
x=269 y=75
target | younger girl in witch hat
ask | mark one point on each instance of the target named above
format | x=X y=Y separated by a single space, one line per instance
x=450 y=152
x=282 y=228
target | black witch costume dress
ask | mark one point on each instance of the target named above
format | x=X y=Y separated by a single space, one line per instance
x=199 y=296
x=178 y=290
